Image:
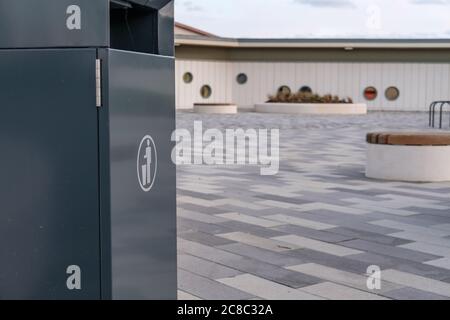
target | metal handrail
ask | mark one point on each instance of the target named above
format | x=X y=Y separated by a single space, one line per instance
x=432 y=114
x=441 y=112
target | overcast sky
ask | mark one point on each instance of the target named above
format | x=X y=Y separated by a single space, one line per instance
x=318 y=18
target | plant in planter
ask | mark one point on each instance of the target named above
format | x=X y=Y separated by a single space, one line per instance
x=306 y=97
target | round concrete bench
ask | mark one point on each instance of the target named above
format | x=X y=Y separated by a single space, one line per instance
x=215 y=108
x=409 y=156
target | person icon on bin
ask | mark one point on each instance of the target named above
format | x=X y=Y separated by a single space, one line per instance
x=146 y=168
x=147 y=163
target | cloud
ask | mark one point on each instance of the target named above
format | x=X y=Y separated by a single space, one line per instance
x=329 y=3
x=431 y=2
x=191 y=7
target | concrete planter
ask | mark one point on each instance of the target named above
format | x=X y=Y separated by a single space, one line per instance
x=312 y=108
x=215 y=108
x=408 y=163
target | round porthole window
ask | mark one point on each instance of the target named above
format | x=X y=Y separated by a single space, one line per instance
x=242 y=78
x=284 y=90
x=392 y=93
x=305 y=89
x=370 y=93
x=188 y=77
x=206 y=92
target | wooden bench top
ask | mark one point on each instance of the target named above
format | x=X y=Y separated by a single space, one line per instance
x=409 y=138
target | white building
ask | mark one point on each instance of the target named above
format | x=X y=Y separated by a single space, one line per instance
x=385 y=74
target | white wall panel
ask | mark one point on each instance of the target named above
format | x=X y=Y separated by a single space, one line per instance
x=419 y=83
x=216 y=74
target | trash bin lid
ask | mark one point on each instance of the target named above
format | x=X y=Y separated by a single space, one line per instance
x=154 y=4
x=61 y=23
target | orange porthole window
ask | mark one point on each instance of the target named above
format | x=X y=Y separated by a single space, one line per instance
x=370 y=93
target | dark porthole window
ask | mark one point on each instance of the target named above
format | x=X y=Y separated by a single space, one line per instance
x=206 y=92
x=284 y=90
x=305 y=89
x=370 y=93
x=188 y=77
x=392 y=93
x=242 y=78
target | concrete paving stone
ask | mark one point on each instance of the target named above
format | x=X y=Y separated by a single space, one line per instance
x=273 y=273
x=332 y=261
x=333 y=291
x=444 y=227
x=201 y=217
x=447 y=280
x=285 y=219
x=332 y=197
x=200 y=195
x=183 y=296
x=436 y=189
x=205 y=238
x=389 y=262
x=324 y=236
x=418 y=219
x=203 y=189
x=428 y=248
x=335 y=216
x=345 y=278
x=369 y=236
x=388 y=250
x=209 y=228
x=391 y=211
x=272 y=190
x=208 y=289
x=424 y=270
x=413 y=294
x=444 y=213
x=247 y=211
x=195 y=201
x=420 y=237
x=417 y=282
x=204 y=267
x=376 y=203
x=365 y=194
x=301 y=242
x=259 y=268
x=355 y=224
x=206 y=252
x=251 y=229
x=269 y=244
x=278 y=204
x=422 y=202
x=238 y=203
x=266 y=289
x=411 y=228
x=261 y=254
x=295 y=201
x=332 y=207
x=201 y=209
x=260 y=222
x=441 y=263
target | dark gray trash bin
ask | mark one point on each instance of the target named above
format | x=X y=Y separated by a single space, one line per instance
x=87 y=185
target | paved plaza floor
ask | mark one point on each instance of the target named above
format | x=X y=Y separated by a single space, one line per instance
x=312 y=231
